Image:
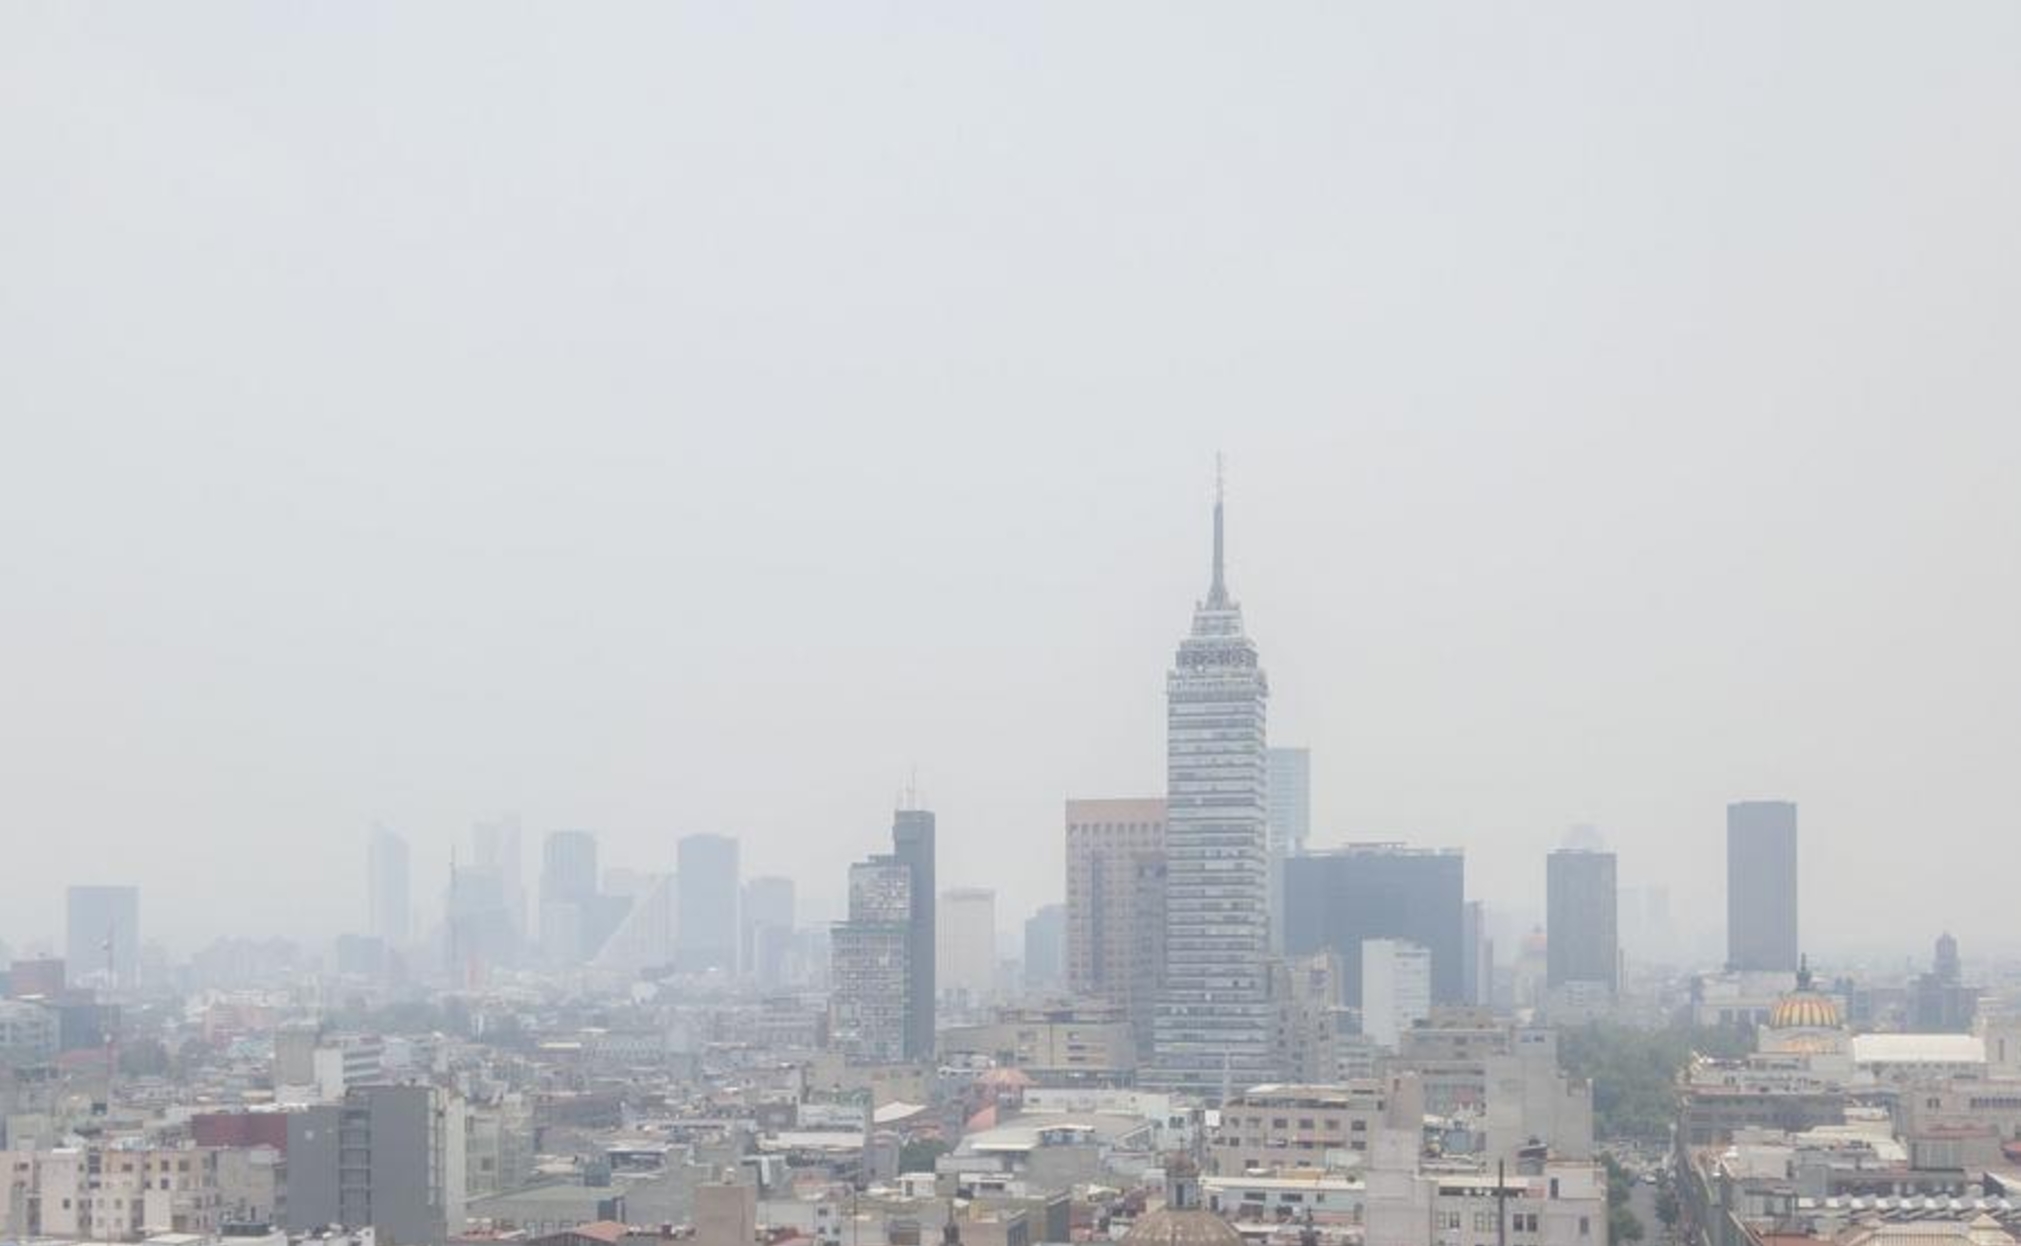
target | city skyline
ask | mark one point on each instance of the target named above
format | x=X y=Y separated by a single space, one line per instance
x=1595 y=464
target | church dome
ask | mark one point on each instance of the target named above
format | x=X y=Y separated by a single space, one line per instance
x=1189 y=1226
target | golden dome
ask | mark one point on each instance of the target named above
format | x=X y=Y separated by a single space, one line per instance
x=1805 y=1010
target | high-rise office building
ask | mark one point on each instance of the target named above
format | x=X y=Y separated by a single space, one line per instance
x=387 y=899
x=766 y=928
x=870 y=963
x=102 y=937
x=1116 y=906
x=705 y=914
x=1396 y=988
x=1290 y=805
x=912 y=838
x=1336 y=900
x=1761 y=886
x=965 y=951
x=1045 y=954
x=1581 y=919
x=498 y=850
x=1477 y=956
x=568 y=895
x=1216 y=1018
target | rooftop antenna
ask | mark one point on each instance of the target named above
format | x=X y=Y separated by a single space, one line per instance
x=1218 y=594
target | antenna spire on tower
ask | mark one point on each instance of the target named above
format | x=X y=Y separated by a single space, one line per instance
x=1218 y=594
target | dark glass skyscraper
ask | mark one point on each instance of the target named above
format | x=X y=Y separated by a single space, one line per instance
x=1334 y=901
x=1761 y=893
x=1581 y=918
x=912 y=846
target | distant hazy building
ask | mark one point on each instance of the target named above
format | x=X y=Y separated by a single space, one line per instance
x=641 y=903
x=912 y=845
x=102 y=936
x=1216 y=1018
x=766 y=929
x=1290 y=806
x=568 y=892
x=498 y=850
x=706 y=876
x=1477 y=956
x=1580 y=919
x=870 y=963
x=1045 y=949
x=1337 y=900
x=1396 y=988
x=1116 y=906
x=387 y=897
x=966 y=950
x=1761 y=886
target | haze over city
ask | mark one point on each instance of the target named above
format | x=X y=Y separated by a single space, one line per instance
x=660 y=420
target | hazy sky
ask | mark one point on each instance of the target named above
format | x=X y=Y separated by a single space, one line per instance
x=664 y=418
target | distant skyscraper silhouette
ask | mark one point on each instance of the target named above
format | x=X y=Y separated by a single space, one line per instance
x=1761 y=885
x=1216 y=1022
x=1581 y=918
x=1290 y=825
x=912 y=840
x=706 y=914
x=388 y=900
x=102 y=943
x=1339 y=899
x=568 y=895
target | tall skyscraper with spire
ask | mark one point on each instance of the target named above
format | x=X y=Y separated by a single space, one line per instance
x=1216 y=1020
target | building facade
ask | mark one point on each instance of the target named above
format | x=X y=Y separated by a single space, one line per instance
x=912 y=845
x=965 y=949
x=1581 y=919
x=102 y=936
x=1336 y=900
x=1116 y=906
x=1290 y=806
x=1761 y=886
x=1216 y=1019
x=389 y=902
x=1396 y=988
x=705 y=915
x=870 y=963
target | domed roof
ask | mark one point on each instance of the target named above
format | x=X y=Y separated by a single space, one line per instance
x=1806 y=1010
x=1189 y=1226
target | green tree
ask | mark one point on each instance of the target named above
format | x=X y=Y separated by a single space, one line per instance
x=919 y=1154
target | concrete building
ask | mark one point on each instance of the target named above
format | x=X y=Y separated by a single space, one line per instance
x=1062 y=1046
x=1337 y=900
x=1477 y=957
x=1564 y=1203
x=389 y=902
x=1290 y=815
x=498 y=850
x=388 y=1158
x=871 y=968
x=965 y=951
x=1116 y=906
x=28 y=1034
x=707 y=879
x=1325 y=1127
x=568 y=895
x=1045 y=949
x=1216 y=1018
x=1396 y=988
x=1761 y=886
x=1581 y=919
x=102 y=937
x=912 y=845
x=766 y=927
x=726 y=1214
x=112 y=1193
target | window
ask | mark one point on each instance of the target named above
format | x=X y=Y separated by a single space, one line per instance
x=1585 y=1227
